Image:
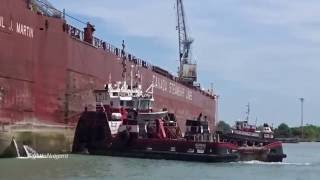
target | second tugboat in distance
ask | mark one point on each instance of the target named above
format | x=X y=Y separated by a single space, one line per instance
x=254 y=143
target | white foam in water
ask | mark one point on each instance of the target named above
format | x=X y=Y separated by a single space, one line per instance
x=274 y=163
x=30 y=152
x=33 y=154
x=47 y=156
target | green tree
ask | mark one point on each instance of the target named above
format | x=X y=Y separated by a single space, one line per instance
x=296 y=131
x=310 y=132
x=223 y=127
x=283 y=130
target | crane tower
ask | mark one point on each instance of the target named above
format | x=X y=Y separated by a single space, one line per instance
x=187 y=70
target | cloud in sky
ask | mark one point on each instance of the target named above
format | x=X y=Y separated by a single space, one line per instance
x=263 y=52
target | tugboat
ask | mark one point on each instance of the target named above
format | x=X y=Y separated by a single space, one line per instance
x=124 y=124
x=254 y=143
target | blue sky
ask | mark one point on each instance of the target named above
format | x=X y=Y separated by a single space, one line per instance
x=265 y=52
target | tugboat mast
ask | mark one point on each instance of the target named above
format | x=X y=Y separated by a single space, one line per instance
x=248 y=112
x=124 y=65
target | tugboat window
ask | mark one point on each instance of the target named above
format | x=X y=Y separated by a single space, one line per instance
x=144 y=104
x=129 y=103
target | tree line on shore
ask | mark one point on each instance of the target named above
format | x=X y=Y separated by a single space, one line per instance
x=310 y=132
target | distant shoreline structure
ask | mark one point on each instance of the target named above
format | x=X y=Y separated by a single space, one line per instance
x=287 y=134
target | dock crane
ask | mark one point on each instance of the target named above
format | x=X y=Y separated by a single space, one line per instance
x=188 y=70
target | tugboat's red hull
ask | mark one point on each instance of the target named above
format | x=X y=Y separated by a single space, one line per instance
x=261 y=149
x=47 y=77
x=93 y=136
x=168 y=155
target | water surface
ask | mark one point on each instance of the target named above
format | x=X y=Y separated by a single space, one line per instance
x=303 y=163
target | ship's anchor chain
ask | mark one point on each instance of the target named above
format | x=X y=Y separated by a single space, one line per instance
x=124 y=65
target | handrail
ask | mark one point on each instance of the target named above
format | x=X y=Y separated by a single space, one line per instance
x=100 y=44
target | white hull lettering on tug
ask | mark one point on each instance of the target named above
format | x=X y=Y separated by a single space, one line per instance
x=253 y=134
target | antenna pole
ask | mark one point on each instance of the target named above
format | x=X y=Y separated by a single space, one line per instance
x=248 y=112
x=131 y=74
x=123 y=55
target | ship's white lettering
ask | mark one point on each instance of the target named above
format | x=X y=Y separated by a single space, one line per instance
x=2 y=22
x=11 y=26
x=189 y=95
x=160 y=83
x=177 y=90
x=24 y=30
x=172 y=88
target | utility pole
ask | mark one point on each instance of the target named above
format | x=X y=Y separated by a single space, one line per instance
x=301 y=101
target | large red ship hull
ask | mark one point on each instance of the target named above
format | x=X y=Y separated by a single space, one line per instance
x=47 y=77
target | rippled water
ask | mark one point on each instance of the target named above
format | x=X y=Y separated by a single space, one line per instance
x=303 y=163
